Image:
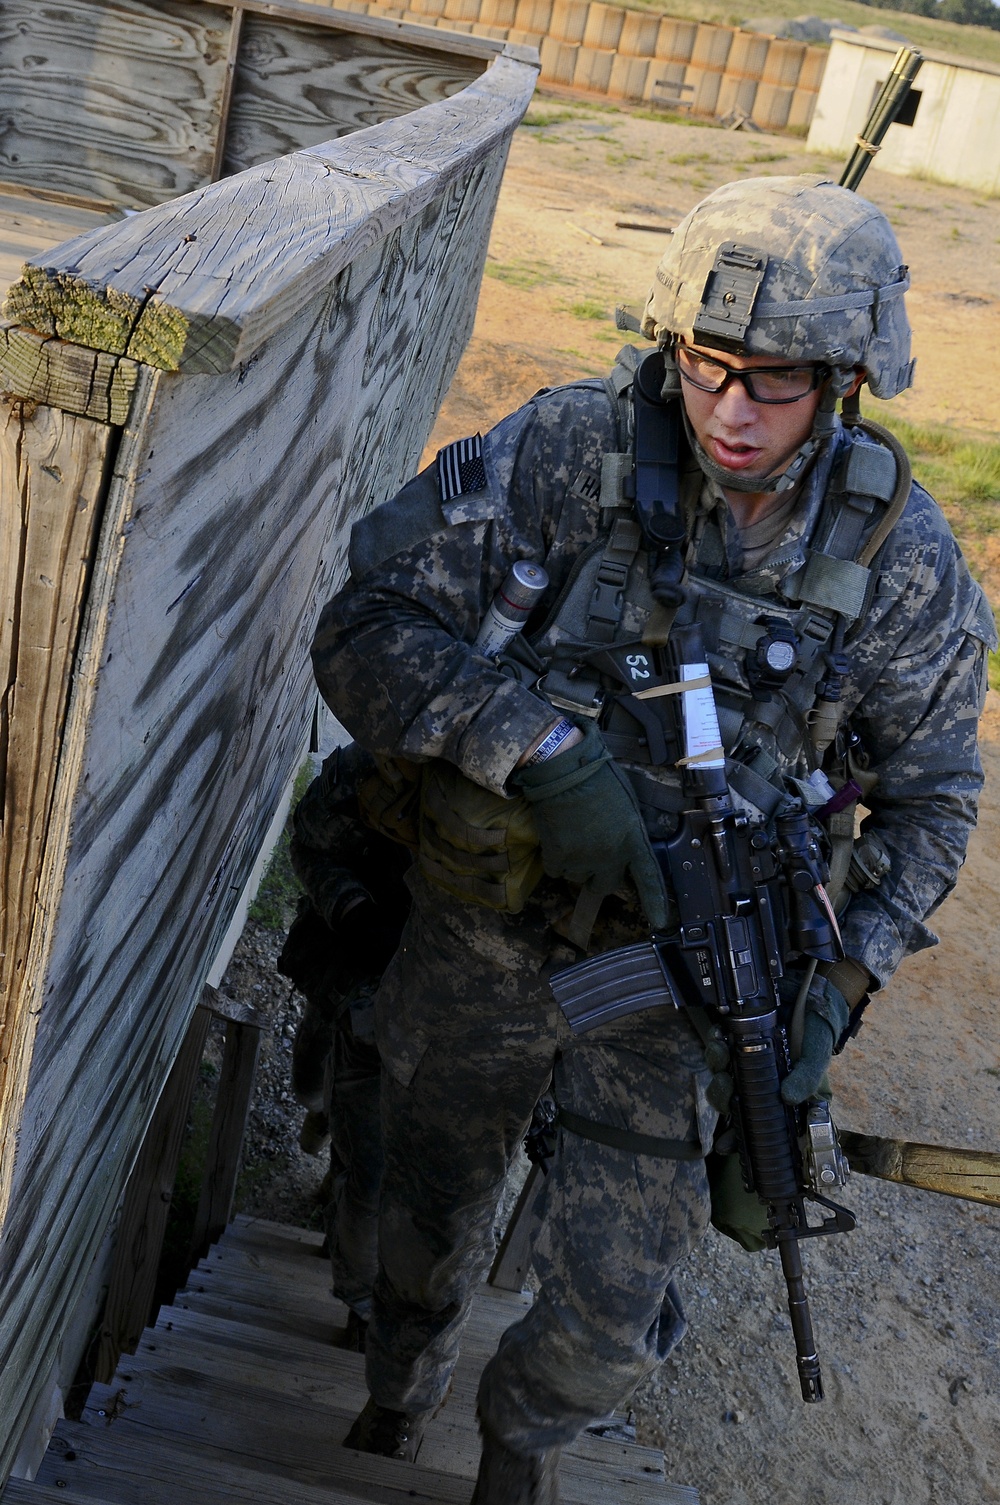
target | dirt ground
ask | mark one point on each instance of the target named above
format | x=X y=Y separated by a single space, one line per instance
x=907 y=1308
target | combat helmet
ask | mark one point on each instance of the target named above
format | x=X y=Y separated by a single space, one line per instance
x=797 y=268
x=792 y=267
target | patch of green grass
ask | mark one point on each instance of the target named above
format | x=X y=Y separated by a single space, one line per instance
x=684 y=159
x=523 y=274
x=962 y=472
x=278 y=896
x=767 y=157
x=673 y=117
x=541 y=118
x=587 y=308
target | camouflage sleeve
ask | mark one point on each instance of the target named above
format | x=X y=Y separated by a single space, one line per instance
x=393 y=654
x=917 y=720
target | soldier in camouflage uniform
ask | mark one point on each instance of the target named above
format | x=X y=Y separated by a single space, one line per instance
x=347 y=928
x=775 y=299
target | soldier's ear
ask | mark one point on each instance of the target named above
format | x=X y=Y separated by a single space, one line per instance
x=859 y=376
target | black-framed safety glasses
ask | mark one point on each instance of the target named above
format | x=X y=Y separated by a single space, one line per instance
x=767 y=384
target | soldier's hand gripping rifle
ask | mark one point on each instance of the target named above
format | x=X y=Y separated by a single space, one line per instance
x=747 y=905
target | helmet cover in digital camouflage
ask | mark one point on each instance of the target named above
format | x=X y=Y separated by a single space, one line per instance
x=795 y=268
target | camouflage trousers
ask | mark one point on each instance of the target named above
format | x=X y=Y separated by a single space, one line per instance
x=470 y=1036
x=351 y=1098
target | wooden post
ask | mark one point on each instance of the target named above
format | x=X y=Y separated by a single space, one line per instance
x=229 y=1121
x=146 y=1205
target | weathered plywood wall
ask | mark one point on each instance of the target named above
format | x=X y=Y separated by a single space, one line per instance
x=118 y=101
x=138 y=101
x=299 y=84
x=286 y=372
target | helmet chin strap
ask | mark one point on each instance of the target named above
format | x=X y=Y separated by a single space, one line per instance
x=825 y=425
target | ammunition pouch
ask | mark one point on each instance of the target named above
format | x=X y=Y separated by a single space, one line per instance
x=736 y=1212
x=389 y=800
x=476 y=845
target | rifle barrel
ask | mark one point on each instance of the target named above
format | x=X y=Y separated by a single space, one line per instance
x=905 y=67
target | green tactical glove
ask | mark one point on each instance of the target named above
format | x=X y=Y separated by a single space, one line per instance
x=720 y=1089
x=826 y=1019
x=589 y=826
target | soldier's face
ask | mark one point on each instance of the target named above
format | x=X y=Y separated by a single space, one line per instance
x=752 y=439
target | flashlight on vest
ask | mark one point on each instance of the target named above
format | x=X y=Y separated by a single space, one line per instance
x=511 y=607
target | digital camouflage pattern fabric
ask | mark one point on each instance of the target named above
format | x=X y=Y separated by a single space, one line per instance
x=834 y=295
x=466 y=1024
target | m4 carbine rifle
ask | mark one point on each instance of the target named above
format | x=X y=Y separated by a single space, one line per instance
x=748 y=903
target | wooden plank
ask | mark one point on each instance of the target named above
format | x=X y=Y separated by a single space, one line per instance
x=226 y=99
x=279 y=1437
x=52 y=473
x=115 y=99
x=143 y=1221
x=25 y=1492
x=171 y=1362
x=298 y=85
x=165 y=1367
x=233 y=263
x=246 y=1227
x=235 y=1009
x=224 y=528
x=178 y=1326
x=267 y=1288
x=225 y=1140
x=304 y=1325
x=417 y=36
x=300 y=1432
x=40 y=1311
x=107 y=1466
x=89 y=383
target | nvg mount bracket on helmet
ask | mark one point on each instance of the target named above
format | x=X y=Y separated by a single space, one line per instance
x=731 y=290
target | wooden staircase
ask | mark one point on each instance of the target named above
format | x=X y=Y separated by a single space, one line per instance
x=237 y=1397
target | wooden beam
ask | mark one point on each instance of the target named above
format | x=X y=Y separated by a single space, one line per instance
x=199 y=284
x=222 y=124
x=225 y=1143
x=52 y=478
x=146 y=1206
x=375 y=25
x=224 y=1007
x=89 y=383
x=972 y=1174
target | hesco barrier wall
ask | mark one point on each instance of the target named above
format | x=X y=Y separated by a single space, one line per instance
x=631 y=54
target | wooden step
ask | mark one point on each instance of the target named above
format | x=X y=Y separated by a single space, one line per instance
x=238 y=1396
x=243 y=1362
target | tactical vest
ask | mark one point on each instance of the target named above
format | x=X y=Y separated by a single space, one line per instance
x=596 y=653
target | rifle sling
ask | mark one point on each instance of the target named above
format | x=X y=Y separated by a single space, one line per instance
x=625 y=1139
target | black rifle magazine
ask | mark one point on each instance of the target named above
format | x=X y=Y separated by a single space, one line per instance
x=619 y=982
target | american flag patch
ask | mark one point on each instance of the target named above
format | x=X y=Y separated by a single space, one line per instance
x=461 y=468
